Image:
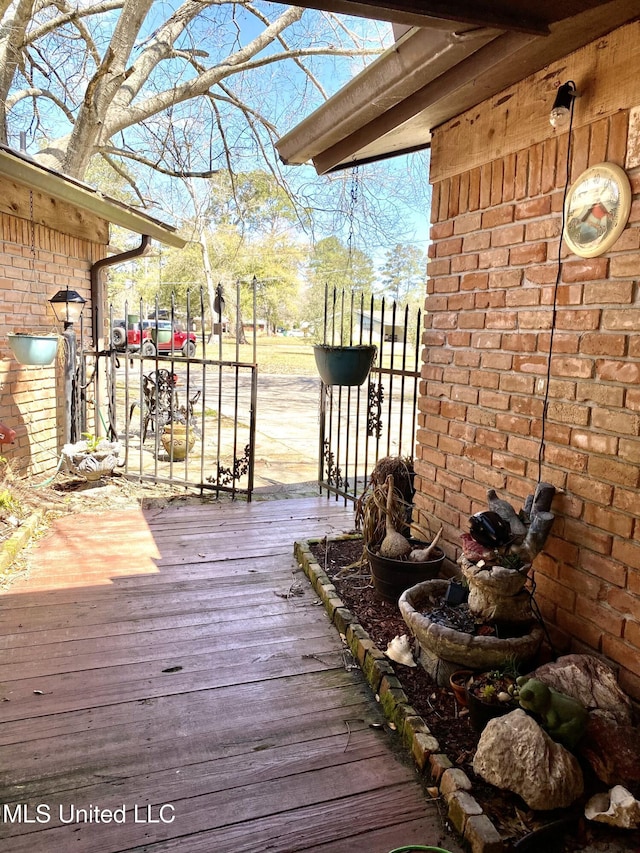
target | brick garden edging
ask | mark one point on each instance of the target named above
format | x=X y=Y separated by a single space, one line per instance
x=463 y=810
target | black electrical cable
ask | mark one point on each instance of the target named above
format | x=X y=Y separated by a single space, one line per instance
x=545 y=405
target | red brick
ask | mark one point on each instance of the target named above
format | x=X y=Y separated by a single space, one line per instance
x=585 y=536
x=474 y=281
x=477 y=453
x=494 y=400
x=617 y=142
x=543 y=229
x=628 y=553
x=442 y=230
x=586 y=269
x=467 y=223
x=505 y=279
x=522 y=297
x=487 y=340
x=621 y=423
x=548 y=175
x=530 y=364
x=490 y=299
x=443 y=200
x=474 y=190
x=437 y=268
x=598 y=141
x=506 y=462
x=460 y=302
x=535 y=319
x=497 y=216
x=598 y=343
x=624 y=603
x=535 y=207
x=618 y=371
x=491 y=438
x=517 y=383
x=616 y=292
x=629 y=450
x=554 y=433
x=513 y=424
x=522 y=168
x=563 y=596
x=467 y=358
x=610 y=520
x=507 y=236
x=583 y=320
x=632 y=399
x=579 y=628
x=497 y=179
x=449 y=247
x=508 y=178
x=565 y=458
x=594 y=442
x=622 y=319
x=620 y=652
x=485 y=185
x=493 y=258
x=529 y=253
x=459 y=339
x=463 y=197
x=454 y=195
x=607 y=619
x=603 y=567
x=459 y=376
x=524 y=447
x=613 y=471
x=463 y=263
x=600 y=393
x=581 y=368
x=540 y=274
x=476 y=242
x=563 y=342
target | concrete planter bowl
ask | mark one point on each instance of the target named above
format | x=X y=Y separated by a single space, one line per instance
x=458 y=648
x=33 y=349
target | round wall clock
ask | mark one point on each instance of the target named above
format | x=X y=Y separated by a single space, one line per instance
x=597 y=209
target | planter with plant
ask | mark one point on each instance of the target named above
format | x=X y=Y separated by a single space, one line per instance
x=397 y=560
x=93 y=457
x=492 y=694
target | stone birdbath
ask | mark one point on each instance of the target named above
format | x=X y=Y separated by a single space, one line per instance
x=495 y=562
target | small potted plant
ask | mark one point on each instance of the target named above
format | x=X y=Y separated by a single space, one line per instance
x=491 y=694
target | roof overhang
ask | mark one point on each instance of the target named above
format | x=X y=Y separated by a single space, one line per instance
x=438 y=71
x=25 y=170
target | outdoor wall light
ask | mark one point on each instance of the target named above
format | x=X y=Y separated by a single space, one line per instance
x=560 y=114
x=70 y=304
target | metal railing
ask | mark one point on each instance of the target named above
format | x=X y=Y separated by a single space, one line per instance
x=359 y=425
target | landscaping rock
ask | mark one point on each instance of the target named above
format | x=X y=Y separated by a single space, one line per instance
x=589 y=680
x=612 y=750
x=515 y=754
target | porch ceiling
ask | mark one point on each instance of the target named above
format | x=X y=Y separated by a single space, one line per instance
x=457 y=54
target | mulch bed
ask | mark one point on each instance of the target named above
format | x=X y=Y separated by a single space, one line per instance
x=342 y=562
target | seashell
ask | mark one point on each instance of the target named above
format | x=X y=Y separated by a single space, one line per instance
x=399 y=650
x=618 y=807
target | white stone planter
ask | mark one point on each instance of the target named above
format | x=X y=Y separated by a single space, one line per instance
x=92 y=464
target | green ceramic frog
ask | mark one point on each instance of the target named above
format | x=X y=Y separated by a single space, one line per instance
x=565 y=719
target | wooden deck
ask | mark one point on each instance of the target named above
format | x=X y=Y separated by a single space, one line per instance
x=169 y=683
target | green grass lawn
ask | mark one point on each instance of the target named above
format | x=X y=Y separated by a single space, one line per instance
x=274 y=355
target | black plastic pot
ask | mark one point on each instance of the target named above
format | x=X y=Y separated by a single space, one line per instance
x=344 y=365
x=392 y=577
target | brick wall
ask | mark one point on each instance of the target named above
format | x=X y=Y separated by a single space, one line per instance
x=491 y=281
x=32 y=398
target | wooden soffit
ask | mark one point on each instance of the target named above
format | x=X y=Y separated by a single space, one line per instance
x=457 y=59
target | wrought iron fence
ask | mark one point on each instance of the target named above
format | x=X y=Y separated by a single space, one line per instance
x=361 y=424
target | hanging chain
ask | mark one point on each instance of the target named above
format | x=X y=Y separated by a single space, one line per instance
x=355 y=186
x=33 y=237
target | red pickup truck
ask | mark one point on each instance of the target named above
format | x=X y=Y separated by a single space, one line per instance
x=153 y=336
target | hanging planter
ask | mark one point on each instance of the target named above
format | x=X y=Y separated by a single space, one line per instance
x=344 y=365
x=33 y=349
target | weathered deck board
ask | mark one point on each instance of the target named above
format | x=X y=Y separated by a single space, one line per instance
x=259 y=739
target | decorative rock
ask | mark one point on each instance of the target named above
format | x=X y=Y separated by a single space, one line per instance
x=617 y=808
x=516 y=754
x=589 y=680
x=613 y=751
